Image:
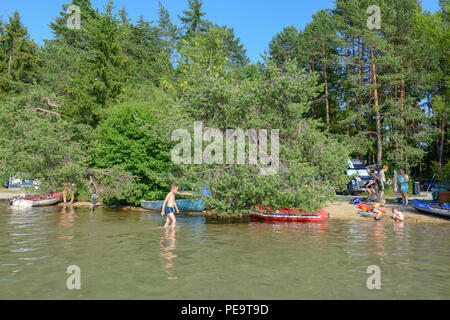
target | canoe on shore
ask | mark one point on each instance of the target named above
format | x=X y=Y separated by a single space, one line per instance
x=286 y=214
x=434 y=208
x=37 y=201
x=185 y=205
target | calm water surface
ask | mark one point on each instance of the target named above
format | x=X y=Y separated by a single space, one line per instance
x=126 y=255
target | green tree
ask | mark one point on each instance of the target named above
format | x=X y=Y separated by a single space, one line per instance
x=102 y=75
x=135 y=139
x=19 y=61
x=38 y=144
x=192 y=19
x=170 y=33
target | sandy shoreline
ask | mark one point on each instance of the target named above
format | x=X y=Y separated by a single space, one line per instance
x=338 y=210
x=347 y=211
x=341 y=209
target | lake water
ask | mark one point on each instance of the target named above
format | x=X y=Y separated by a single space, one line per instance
x=128 y=255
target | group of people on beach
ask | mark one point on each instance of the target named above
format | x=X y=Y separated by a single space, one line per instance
x=397 y=214
x=71 y=189
x=376 y=187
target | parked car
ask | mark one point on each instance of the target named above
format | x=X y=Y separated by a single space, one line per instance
x=360 y=176
x=430 y=184
x=17 y=183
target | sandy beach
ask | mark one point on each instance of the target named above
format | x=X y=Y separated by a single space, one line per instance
x=338 y=210
x=341 y=209
x=345 y=210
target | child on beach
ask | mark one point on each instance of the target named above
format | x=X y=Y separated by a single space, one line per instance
x=376 y=209
x=398 y=215
x=171 y=206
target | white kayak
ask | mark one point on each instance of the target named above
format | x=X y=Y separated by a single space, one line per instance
x=36 y=201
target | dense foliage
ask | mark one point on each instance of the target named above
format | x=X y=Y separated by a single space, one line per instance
x=106 y=98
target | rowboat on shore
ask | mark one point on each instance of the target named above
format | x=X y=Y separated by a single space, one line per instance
x=185 y=205
x=36 y=201
x=434 y=208
x=286 y=214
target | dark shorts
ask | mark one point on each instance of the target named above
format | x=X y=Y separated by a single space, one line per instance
x=371 y=186
x=382 y=185
x=170 y=210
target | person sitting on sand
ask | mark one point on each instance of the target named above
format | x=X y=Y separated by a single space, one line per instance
x=376 y=209
x=398 y=215
x=171 y=205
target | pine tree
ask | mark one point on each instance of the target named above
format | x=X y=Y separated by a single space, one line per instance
x=102 y=75
x=19 y=60
x=74 y=37
x=286 y=46
x=319 y=37
x=192 y=19
x=169 y=32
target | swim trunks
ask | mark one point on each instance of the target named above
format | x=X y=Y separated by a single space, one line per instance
x=169 y=210
x=382 y=185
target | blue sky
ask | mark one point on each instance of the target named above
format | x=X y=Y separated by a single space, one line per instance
x=254 y=21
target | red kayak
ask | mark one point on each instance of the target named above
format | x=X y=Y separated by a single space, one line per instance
x=286 y=214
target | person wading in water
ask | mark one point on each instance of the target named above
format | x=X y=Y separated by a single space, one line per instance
x=93 y=191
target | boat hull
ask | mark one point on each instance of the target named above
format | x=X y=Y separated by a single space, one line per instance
x=185 y=205
x=432 y=208
x=30 y=202
x=296 y=215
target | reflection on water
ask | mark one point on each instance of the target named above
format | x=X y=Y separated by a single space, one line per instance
x=129 y=255
x=168 y=246
x=66 y=220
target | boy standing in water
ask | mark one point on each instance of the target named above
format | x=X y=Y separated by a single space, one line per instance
x=171 y=205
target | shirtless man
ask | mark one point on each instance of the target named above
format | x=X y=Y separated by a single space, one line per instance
x=171 y=205
x=382 y=182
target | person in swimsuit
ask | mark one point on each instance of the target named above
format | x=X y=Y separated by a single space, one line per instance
x=92 y=186
x=370 y=186
x=382 y=182
x=376 y=209
x=170 y=205
x=398 y=215
x=404 y=182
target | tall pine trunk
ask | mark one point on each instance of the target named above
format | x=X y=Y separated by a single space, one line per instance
x=377 y=110
x=327 y=106
x=347 y=131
